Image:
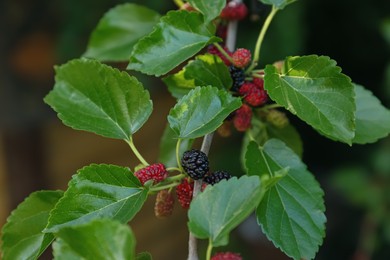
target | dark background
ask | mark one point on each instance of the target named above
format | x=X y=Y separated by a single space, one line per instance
x=37 y=152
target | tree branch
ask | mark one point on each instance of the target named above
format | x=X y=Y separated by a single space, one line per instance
x=207 y=140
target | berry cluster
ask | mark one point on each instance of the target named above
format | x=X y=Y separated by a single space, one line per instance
x=252 y=91
x=196 y=164
x=242 y=118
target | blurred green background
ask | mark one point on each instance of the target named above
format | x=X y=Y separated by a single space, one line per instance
x=37 y=152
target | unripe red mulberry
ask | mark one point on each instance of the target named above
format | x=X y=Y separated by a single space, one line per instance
x=242 y=118
x=234 y=11
x=164 y=204
x=226 y=256
x=184 y=193
x=241 y=58
x=253 y=94
x=155 y=172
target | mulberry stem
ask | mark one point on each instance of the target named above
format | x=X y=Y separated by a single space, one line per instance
x=192 y=243
x=209 y=249
x=158 y=188
x=224 y=53
x=260 y=39
x=136 y=152
x=178 y=154
x=171 y=169
x=179 y=3
x=206 y=144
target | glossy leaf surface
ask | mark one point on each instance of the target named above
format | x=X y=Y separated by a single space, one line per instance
x=118 y=31
x=98 y=191
x=205 y=70
x=94 y=97
x=313 y=88
x=372 y=118
x=201 y=111
x=178 y=36
x=98 y=239
x=291 y=213
x=220 y=208
x=210 y=9
x=22 y=236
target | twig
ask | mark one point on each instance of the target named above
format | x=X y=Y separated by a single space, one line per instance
x=232 y=32
x=207 y=140
x=192 y=242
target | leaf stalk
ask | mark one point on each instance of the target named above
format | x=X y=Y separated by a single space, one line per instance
x=178 y=154
x=179 y=3
x=256 y=55
x=136 y=152
x=224 y=53
x=209 y=249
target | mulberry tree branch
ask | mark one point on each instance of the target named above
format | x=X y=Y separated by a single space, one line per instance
x=192 y=242
x=207 y=140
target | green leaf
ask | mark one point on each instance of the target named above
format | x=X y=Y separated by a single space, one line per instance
x=168 y=144
x=178 y=84
x=178 y=36
x=22 y=236
x=205 y=70
x=289 y=135
x=119 y=30
x=98 y=191
x=98 y=239
x=269 y=181
x=372 y=118
x=201 y=111
x=210 y=9
x=291 y=213
x=94 y=97
x=220 y=208
x=263 y=131
x=279 y=4
x=313 y=88
x=254 y=163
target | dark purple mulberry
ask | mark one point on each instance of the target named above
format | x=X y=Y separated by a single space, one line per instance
x=195 y=163
x=216 y=177
x=238 y=77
